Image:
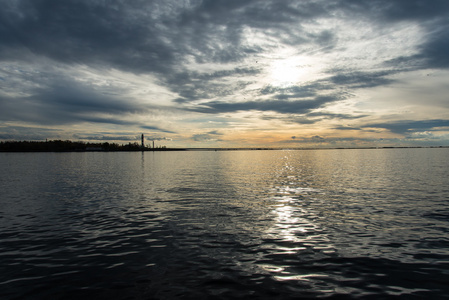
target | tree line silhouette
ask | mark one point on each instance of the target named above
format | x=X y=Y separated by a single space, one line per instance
x=70 y=146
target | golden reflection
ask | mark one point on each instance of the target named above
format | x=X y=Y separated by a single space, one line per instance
x=296 y=230
x=293 y=233
x=289 y=225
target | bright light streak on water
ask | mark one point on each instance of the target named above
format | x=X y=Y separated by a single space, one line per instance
x=271 y=224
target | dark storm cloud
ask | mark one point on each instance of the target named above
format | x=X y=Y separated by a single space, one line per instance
x=85 y=32
x=191 y=85
x=313 y=117
x=435 y=52
x=298 y=107
x=406 y=127
x=260 y=12
x=362 y=79
x=347 y=128
x=64 y=101
x=82 y=98
x=398 y=10
x=60 y=100
x=293 y=92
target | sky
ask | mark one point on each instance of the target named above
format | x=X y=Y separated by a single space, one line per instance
x=226 y=73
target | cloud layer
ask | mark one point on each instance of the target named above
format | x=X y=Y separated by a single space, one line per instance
x=256 y=72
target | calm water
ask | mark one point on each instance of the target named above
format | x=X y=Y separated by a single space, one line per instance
x=226 y=224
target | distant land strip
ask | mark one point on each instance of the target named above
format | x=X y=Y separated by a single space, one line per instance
x=70 y=146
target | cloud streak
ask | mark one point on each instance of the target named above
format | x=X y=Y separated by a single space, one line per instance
x=406 y=127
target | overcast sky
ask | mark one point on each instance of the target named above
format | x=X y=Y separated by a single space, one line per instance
x=226 y=73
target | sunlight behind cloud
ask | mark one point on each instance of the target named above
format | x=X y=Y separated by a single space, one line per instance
x=291 y=71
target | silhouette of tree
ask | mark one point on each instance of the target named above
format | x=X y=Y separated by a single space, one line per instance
x=69 y=146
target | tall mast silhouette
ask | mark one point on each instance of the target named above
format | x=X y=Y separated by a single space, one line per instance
x=143 y=144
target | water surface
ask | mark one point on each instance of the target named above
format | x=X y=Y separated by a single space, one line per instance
x=225 y=224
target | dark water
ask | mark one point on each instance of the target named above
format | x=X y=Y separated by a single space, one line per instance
x=232 y=224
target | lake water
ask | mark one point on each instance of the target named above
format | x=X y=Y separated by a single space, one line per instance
x=225 y=224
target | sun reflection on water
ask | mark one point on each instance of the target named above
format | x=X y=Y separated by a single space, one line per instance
x=292 y=223
x=296 y=233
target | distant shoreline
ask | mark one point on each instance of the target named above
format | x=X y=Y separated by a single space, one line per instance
x=69 y=146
